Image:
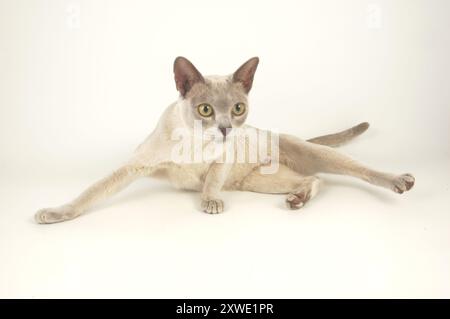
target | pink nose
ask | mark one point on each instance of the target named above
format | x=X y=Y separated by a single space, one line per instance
x=225 y=130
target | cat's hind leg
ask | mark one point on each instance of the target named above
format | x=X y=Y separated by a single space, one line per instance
x=309 y=158
x=300 y=189
x=307 y=188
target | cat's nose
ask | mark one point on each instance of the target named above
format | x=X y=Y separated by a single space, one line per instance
x=225 y=130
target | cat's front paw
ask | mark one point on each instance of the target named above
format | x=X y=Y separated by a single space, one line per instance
x=55 y=215
x=212 y=206
x=403 y=183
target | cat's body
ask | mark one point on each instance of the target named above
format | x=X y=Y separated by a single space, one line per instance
x=222 y=104
x=188 y=176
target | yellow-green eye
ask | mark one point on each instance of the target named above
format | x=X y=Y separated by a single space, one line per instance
x=239 y=108
x=205 y=110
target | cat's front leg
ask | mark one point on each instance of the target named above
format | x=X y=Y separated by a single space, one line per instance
x=100 y=190
x=214 y=181
x=57 y=214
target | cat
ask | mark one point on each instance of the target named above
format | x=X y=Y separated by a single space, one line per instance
x=220 y=105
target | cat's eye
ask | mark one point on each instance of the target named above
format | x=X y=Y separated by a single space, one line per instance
x=205 y=110
x=238 y=109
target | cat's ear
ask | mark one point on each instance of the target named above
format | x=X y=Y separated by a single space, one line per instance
x=246 y=73
x=186 y=75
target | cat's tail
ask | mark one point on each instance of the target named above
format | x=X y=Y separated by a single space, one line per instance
x=341 y=137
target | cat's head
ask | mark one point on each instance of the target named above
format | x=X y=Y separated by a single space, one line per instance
x=218 y=101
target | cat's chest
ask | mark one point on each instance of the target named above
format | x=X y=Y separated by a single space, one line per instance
x=187 y=176
x=192 y=176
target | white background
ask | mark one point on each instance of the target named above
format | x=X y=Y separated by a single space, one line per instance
x=82 y=83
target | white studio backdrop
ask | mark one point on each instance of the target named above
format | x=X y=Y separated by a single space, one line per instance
x=82 y=83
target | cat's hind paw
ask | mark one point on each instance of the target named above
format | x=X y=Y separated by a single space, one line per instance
x=298 y=200
x=403 y=183
x=55 y=215
x=212 y=206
